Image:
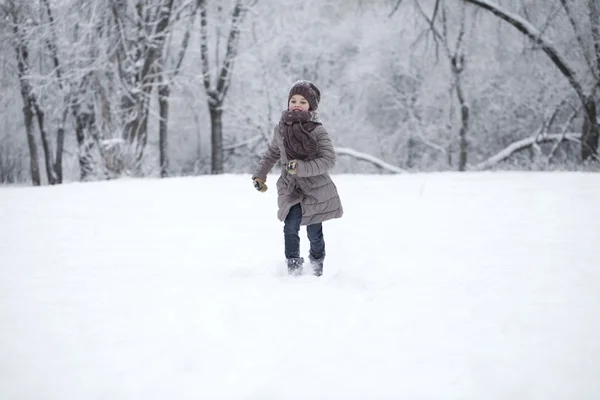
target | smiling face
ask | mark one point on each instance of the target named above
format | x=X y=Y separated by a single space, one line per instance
x=298 y=103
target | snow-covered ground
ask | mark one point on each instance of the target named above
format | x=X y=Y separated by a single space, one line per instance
x=436 y=286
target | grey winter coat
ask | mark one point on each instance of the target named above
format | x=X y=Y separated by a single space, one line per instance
x=312 y=186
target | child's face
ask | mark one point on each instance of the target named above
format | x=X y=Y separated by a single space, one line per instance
x=298 y=103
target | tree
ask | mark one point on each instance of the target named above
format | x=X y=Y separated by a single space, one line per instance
x=76 y=82
x=15 y=13
x=590 y=131
x=457 y=59
x=142 y=29
x=217 y=86
x=166 y=74
x=60 y=134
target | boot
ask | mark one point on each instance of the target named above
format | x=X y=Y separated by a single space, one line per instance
x=317 y=264
x=295 y=265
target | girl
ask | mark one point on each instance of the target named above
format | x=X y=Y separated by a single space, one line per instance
x=306 y=195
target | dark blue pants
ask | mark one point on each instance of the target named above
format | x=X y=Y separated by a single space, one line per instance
x=291 y=229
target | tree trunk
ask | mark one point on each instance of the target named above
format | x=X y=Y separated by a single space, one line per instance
x=142 y=139
x=60 y=145
x=54 y=167
x=410 y=149
x=590 y=136
x=26 y=92
x=464 y=143
x=216 y=125
x=589 y=132
x=48 y=155
x=60 y=140
x=163 y=103
x=86 y=164
x=595 y=27
x=457 y=69
x=33 y=156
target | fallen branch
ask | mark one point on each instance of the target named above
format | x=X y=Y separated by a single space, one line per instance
x=523 y=144
x=343 y=151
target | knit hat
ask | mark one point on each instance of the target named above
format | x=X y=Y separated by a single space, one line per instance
x=307 y=90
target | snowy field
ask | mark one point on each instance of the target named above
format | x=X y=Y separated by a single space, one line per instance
x=436 y=286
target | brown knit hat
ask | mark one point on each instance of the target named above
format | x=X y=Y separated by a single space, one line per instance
x=309 y=91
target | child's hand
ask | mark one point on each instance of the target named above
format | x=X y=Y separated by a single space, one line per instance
x=260 y=185
x=292 y=167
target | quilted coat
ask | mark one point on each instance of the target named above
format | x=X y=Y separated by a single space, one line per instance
x=312 y=186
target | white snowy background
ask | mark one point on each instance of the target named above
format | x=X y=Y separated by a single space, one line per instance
x=436 y=286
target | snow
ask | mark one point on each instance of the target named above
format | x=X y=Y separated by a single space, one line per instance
x=436 y=286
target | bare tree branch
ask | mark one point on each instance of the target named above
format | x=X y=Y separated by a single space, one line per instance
x=204 y=48
x=395 y=8
x=232 y=48
x=435 y=11
x=549 y=120
x=551 y=16
x=535 y=35
x=563 y=133
x=184 y=43
x=595 y=26
x=433 y=29
x=578 y=35
x=461 y=32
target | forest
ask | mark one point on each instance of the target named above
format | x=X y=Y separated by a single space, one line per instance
x=103 y=89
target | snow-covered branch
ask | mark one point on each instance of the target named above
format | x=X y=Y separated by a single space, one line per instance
x=344 y=151
x=521 y=145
